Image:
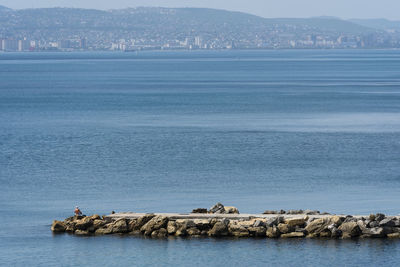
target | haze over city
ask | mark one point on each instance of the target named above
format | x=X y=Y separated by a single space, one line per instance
x=346 y=9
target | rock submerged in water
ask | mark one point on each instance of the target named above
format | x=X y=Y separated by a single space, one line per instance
x=215 y=224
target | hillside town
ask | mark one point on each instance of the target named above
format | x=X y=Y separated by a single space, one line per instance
x=61 y=29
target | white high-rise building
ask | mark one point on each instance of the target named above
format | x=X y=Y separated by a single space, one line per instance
x=197 y=41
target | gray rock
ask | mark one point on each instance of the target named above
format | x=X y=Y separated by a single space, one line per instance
x=271 y=212
x=373 y=224
x=362 y=224
x=98 y=224
x=142 y=221
x=350 y=229
x=335 y=232
x=219 y=229
x=374 y=232
x=193 y=231
x=160 y=233
x=389 y=222
x=311 y=212
x=171 y=227
x=104 y=231
x=284 y=228
x=119 y=226
x=84 y=223
x=202 y=224
x=58 y=227
x=231 y=210
x=199 y=210
x=258 y=223
x=319 y=225
x=238 y=230
x=257 y=231
x=217 y=208
x=295 y=212
x=350 y=218
x=273 y=232
x=379 y=217
x=274 y=221
x=154 y=224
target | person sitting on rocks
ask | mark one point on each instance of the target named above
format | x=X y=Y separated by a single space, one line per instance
x=77 y=211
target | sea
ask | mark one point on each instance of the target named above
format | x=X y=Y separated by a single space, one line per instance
x=170 y=131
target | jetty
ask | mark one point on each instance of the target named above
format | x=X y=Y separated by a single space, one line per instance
x=221 y=221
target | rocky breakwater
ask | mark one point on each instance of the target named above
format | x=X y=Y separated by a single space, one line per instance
x=224 y=224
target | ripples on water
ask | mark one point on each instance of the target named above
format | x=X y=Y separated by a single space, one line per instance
x=172 y=131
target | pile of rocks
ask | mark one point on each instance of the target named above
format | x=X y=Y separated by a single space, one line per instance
x=218 y=209
x=291 y=212
x=280 y=226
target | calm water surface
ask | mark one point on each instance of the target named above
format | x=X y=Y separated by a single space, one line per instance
x=173 y=131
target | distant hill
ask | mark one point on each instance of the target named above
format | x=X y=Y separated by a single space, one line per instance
x=3 y=8
x=178 y=27
x=184 y=18
x=381 y=24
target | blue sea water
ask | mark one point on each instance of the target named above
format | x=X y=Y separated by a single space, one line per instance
x=173 y=131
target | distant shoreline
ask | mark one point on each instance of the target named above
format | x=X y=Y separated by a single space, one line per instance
x=199 y=50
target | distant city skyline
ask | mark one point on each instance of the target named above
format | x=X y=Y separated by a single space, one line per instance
x=346 y=9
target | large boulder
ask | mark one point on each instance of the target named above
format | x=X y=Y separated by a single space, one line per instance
x=217 y=208
x=320 y=225
x=259 y=231
x=312 y=212
x=350 y=229
x=193 y=231
x=293 y=222
x=388 y=222
x=271 y=212
x=142 y=221
x=131 y=224
x=182 y=225
x=231 y=210
x=238 y=230
x=219 y=229
x=274 y=221
x=379 y=217
x=95 y=217
x=105 y=230
x=84 y=223
x=374 y=232
x=154 y=224
x=272 y=232
x=58 y=227
x=171 y=227
x=160 y=233
x=199 y=210
x=98 y=223
x=202 y=224
x=295 y=212
x=284 y=228
x=119 y=226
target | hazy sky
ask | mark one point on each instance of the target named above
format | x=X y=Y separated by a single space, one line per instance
x=267 y=8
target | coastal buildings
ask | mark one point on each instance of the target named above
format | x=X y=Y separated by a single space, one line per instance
x=63 y=29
